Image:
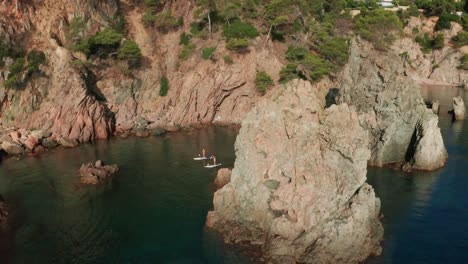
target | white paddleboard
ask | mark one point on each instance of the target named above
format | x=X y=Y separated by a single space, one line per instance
x=202 y=158
x=212 y=166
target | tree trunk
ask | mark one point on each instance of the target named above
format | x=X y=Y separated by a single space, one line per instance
x=269 y=34
x=209 y=25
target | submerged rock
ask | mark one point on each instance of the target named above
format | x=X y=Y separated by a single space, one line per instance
x=458 y=108
x=429 y=150
x=97 y=172
x=223 y=177
x=298 y=186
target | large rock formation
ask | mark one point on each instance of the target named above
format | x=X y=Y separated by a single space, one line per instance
x=429 y=152
x=299 y=182
x=389 y=102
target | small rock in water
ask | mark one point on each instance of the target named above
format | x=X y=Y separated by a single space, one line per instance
x=458 y=108
x=159 y=132
x=435 y=106
x=96 y=172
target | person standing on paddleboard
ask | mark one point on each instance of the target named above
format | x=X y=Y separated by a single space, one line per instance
x=214 y=160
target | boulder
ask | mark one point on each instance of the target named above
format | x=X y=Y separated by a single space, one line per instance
x=96 y=172
x=67 y=142
x=435 y=106
x=49 y=143
x=40 y=134
x=299 y=187
x=458 y=108
x=223 y=177
x=31 y=142
x=429 y=152
x=12 y=148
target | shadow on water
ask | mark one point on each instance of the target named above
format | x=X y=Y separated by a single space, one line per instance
x=152 y=212
x=425 y=213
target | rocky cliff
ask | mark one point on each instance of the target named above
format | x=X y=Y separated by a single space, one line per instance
x=105 y=96
x=298 y=186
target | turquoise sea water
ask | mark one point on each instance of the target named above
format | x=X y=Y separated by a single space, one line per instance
x=154 y=210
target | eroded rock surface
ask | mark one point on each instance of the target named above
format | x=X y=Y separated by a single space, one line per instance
x=97 y=172
x=298 y=185
x=223 y=177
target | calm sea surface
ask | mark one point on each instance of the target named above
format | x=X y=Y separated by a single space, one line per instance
x=154 y=210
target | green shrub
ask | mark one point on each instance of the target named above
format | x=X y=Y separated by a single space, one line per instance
x=106 y=38
x=438 y=42
x=17 y=66
x=381 y=27
x=425 y=42
x=185 y=39
x=238 y=45
x=263 y=81
x=461 y=39
x=15 y=69
x=207 y=53
x=290 y=72
x=335 y=49
x=197 y=30
x=129 y=50
x=227 y=59
x=239 y=30
x=444 y=21
x=311 y=66
x=82 y=46
x=164 y=82
x=35 y=58
x=187 y=51
x=164 y=21
x=148 y=17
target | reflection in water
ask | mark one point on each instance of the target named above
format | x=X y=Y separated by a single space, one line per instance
x=152 y=212
x=426 y=213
